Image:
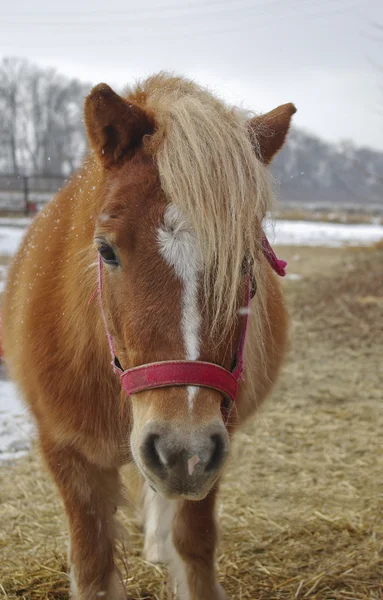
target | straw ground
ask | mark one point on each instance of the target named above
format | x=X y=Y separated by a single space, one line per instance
x=301 y=505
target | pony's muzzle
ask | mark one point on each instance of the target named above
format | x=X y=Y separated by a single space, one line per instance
x=183 y=463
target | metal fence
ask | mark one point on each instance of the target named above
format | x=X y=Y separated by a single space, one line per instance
x=27 y=194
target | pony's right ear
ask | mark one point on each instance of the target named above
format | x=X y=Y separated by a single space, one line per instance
x=115 y=126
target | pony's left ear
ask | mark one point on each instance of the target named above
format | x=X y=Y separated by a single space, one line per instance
x=115 y=126
x=269 y=131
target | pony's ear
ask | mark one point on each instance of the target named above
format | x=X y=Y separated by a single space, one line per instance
x=269 y=131
x=115 y=126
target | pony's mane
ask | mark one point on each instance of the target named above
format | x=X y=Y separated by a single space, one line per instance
x=208 y=167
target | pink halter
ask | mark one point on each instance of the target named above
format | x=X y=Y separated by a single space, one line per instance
x=172 y=373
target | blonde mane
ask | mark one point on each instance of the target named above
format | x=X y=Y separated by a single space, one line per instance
x=209 y=168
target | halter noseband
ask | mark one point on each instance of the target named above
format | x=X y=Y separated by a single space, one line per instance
x=171 y=373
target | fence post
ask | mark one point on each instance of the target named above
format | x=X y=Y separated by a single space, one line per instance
x=26 y=195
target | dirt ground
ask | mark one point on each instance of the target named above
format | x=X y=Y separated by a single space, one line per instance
x=301 y=505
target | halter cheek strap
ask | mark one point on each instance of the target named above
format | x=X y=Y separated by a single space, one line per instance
x=173 y=373
x=115 y=361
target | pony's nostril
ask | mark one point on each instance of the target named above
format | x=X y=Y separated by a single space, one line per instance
x=217 y=455
x=150 y=453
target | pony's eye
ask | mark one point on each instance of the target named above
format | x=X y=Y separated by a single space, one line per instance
x=107 y=254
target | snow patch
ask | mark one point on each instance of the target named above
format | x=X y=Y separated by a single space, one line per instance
x=293 y=276
x=10 y=238
x=313 y=233
x=16 y=428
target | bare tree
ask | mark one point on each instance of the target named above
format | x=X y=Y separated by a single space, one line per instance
x=41 y=125
x=314 y=171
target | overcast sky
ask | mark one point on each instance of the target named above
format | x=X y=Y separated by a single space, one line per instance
x=319 y=54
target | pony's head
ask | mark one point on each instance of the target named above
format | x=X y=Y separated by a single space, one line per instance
x=183 y=191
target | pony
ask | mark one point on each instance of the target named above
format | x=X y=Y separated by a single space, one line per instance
x=163 y=223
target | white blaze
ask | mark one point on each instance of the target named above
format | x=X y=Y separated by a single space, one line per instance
x=178 y=246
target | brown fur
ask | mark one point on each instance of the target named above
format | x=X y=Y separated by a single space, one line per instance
x=55 y=343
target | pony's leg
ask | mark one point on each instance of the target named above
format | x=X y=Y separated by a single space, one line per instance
x=194 y=539
x=183 y=535
x=158 y=518
x=90 y=495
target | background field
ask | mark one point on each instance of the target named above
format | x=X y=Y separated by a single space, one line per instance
x=301 y=503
